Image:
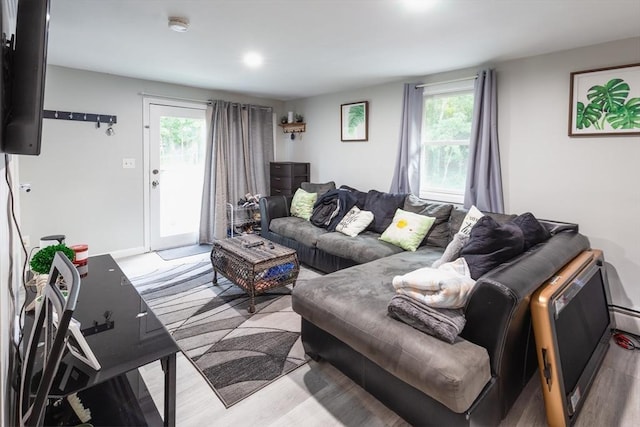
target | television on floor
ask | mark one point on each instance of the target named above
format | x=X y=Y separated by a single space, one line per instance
x=25 y=27
x=572 y=324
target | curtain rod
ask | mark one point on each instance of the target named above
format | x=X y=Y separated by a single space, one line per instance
x=201 y=101
x=177 y=98
x=447 y=81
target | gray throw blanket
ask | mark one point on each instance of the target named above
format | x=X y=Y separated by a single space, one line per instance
x=442 y=323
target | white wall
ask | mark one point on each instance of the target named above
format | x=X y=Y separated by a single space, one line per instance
x=79 y=187
x=591 y=181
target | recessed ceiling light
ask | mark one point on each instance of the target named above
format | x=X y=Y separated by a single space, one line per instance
x=253 y=59
x=179 y=25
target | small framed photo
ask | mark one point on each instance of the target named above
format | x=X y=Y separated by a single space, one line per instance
x=605 y=102
x=354 y=121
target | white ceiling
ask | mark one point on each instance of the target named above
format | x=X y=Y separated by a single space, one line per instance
x=320 y=46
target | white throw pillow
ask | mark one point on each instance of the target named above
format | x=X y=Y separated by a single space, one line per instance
x=470 y=220
x=354 y=222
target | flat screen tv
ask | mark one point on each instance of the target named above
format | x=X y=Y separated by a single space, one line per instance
x=23 y=67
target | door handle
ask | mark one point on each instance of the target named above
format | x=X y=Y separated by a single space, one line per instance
x=154 y=184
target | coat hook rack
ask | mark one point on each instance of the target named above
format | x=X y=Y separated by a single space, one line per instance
x=81 y=117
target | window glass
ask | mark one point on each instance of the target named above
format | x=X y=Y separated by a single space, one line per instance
x=445 y=143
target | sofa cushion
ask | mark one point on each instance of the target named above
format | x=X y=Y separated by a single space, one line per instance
x=383 y=206
x=490 y=244
x=407 y=229
x=354 y=222
x=533 y=231
x=302 y=204
x=351 y=304
x=318 y=188
x=363 y=248
x=297 y=229
x=438 y=235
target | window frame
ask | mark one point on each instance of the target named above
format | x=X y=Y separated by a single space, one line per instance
x=458 y=87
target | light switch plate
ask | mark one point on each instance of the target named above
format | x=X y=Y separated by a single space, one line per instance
x=128 y=163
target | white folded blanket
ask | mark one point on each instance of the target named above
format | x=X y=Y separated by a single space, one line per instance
x=447 y=286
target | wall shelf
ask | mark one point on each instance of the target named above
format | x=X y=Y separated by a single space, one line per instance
x=293 y=127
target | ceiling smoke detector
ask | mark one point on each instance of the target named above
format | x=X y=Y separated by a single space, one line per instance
x=179 y=25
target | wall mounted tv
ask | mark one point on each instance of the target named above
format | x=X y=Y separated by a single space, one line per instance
x=23 y=66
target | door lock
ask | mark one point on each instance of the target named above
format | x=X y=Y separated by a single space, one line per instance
x=154 y=184
x=155 y=171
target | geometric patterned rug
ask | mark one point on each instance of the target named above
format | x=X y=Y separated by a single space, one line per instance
x=237 y=352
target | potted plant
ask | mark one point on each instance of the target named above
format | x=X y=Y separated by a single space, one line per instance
x=42 y=260
x=41 y=265
x=299 y=118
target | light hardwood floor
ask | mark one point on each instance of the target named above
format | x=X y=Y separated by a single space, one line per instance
x=317 y=394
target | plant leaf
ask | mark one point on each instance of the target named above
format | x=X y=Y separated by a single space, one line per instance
x=611 y=96
x=356 y=117
x=626 y=117
x=587 y=116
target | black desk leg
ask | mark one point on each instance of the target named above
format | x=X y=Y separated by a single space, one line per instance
x=169 y=368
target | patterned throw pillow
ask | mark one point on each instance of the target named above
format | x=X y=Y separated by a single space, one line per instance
x=470 y=220
x=407 y=230
x=354 y=222
x=302 y=204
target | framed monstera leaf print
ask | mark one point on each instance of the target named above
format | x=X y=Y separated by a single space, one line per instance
x=354 y=121
x=605 y=101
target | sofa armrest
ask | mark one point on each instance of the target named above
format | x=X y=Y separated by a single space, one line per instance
x=273 y=207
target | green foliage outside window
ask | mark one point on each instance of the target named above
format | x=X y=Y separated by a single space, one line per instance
x=180 y=139
x=446 y=132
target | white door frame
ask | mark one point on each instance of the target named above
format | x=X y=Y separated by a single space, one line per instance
x=146 y=154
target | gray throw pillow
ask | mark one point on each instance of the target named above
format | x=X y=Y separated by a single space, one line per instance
x=318 y=188
x=439 y=233
x=452 y=252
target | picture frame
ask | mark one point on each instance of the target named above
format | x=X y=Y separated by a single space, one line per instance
x=605 y=101
x=354 y=121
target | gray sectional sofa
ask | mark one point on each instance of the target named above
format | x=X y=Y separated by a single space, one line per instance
x=473 y=381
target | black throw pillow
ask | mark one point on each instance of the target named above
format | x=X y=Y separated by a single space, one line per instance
x=490 y=244
x=384 y=207
x=533 y=231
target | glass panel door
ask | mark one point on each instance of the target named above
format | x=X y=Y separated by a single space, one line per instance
x=177 y=150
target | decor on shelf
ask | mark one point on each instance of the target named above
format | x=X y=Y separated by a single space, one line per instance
x=299 y=118
x=354 y=121
x=605 y=101
x=283 y=120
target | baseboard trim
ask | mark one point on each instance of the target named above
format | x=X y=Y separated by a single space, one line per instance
x=127 y=252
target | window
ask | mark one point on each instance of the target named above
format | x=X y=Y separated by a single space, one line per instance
x=446 y=130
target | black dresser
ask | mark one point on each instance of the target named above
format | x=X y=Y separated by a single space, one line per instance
x=286 y=177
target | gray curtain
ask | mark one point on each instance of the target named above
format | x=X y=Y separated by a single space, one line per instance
x=239 y=149
x=484 y=179
x=406 y=176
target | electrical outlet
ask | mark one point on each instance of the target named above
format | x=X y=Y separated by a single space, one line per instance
x=26 y=241
x=128 y=163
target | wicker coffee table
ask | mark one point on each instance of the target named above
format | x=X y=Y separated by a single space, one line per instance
x=254 y=263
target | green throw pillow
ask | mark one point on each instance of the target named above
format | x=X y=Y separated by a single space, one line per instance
x=407 y=230
x=302 y=204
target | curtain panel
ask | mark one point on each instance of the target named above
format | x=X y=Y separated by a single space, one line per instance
x=239 y=149
x=484 y=176
x=406 y=175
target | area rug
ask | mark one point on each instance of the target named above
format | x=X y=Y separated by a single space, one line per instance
x=238 y=353
x=183 y=251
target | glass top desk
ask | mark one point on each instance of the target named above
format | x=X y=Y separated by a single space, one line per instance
x=121 y=330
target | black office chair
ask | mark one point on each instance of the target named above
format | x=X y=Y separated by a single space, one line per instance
x=47 y=341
